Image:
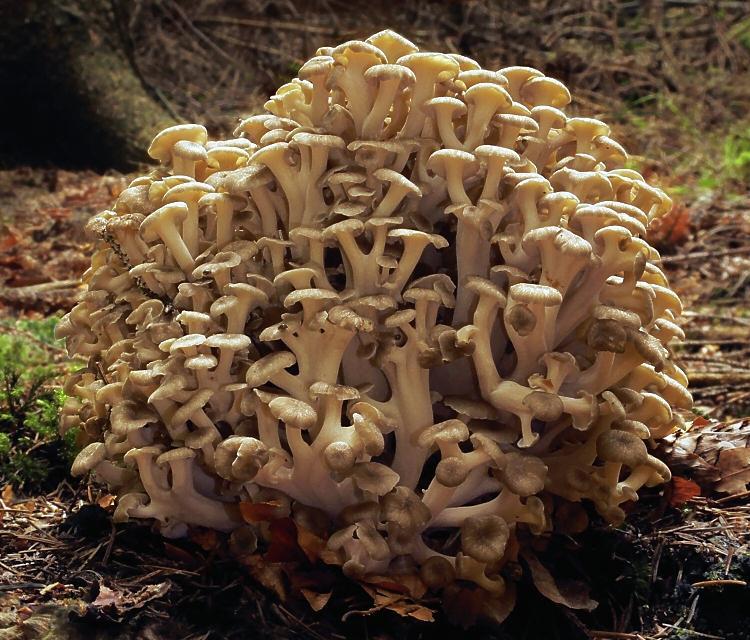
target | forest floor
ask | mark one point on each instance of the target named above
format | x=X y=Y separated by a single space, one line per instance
x=679 y=568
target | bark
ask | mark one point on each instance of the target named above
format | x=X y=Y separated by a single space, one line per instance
x=71 y=98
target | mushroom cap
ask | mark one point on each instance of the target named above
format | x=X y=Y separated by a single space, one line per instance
x=338 y=391
x=545 y=91
x=202 y=361
x=484 y=538
x=353 y=48
x=171 y=213
x=622 y=447
x=384 y=72
x=239 y=458
x=442 y=159
x=494 y=152
x=187 y=191
x=587 y=127
x=316 y=66
x=88 y=458
x=437 y=572
x=318 y=140
x=173 y=455
x=392 y=44
x=447 y=104
x=488 y=93
x=261 y=371
x=394 y=177
x=229 y=341
x=374 y=477
x=449 y=431
x=451 y=471
x=340 y=456
x=544 y=406
x=405 y=509
x=438 y=65
x=293 y=413
x=535 y=294
x=161 y=146
x=524 y=475
x=476 y=409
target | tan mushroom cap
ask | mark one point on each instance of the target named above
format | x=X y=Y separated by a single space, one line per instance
x=621 y=447
x=535 y=294
x=517 y=76
x=88 y=458
x=437 y=572
x=392 y=44
x=545 y=91
x=438 y=65
x=292 y=412
x=524 y=475
x=261 y=371
x=449 y=431
x=161 y=146
x=484 y=538
x=337 y=391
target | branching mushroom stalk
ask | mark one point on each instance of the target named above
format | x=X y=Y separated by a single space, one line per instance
x=413 y=296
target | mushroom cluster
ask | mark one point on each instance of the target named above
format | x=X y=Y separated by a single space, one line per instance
x=410 y=306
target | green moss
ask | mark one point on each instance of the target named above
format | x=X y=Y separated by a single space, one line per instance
x=32 y=454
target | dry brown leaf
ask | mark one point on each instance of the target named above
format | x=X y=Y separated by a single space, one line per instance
x=269 y=575
x=174 y=552
x=412 y=610
x=117 y=602
x=316 y=600
x=207 y=539
x=573 y=594
x=734 y=465
x=7 y=495
x=682 y=490
x=254 y=512
x=398 y=603
x=410 y=584
x=311 y=544
x=106 y=501
x=284 y=546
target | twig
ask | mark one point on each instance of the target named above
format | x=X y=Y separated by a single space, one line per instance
x=700 y=255
x=719 y=583
x=36 y=289
x=692 y=633
x=265 y=24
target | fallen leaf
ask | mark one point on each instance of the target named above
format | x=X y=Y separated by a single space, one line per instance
x=269 y=575
x=573 y=594
x=682 y=490
x=7 y=495
x=284 y=546
x=54 y=586
x=207 y=539
x=178 y=553
x=254 y=512
x=107 y=597
x=463 y=604
x=106 y=501
x=412 y=610
x=316 y=600
x=118 y=602
x=9 y=238
x=409 y=584
x=734 y=465
x=310 y=544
